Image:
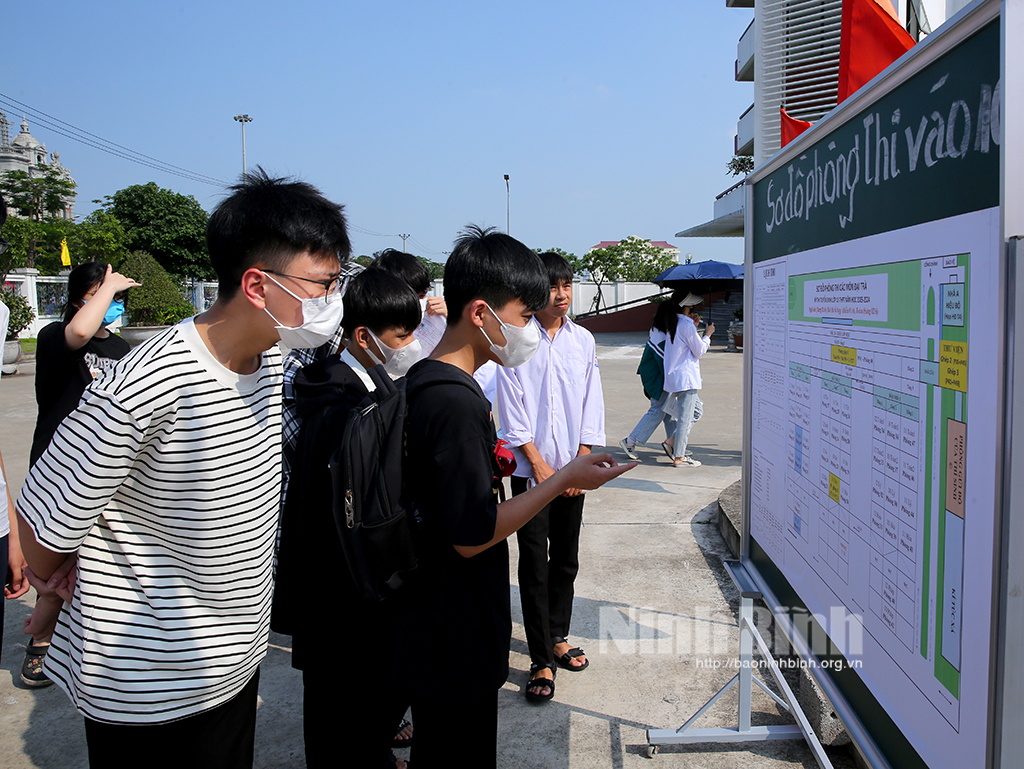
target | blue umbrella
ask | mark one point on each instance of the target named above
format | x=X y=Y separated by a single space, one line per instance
x=703 y=278
x=710 y=270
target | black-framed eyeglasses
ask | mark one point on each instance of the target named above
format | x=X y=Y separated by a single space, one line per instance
x=332 y=287
x=4 y=246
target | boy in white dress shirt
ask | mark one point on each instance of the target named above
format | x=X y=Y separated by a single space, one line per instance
x=551 y=410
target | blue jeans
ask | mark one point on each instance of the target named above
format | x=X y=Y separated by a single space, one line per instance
x=649 y=422
x=691 y=408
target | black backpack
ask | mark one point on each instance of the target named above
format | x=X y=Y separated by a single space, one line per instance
x=374 y=526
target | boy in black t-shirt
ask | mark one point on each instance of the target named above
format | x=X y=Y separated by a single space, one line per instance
x=456 y=632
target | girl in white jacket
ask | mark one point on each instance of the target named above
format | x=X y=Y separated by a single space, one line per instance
x=682 y=378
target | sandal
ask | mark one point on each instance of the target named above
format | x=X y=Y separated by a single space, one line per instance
x=399 y=742
x=566 y=660
x=538 y=684
x=32 y=673
x=668 y=449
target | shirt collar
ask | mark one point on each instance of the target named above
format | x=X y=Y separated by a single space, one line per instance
x=566 y=322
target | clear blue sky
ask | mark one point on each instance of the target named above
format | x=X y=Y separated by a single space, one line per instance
x=612 y=119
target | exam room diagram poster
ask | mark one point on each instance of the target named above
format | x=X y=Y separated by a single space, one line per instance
x=873 y=367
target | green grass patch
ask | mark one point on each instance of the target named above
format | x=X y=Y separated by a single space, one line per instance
x=27 y=345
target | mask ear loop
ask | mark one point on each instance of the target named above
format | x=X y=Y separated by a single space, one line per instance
x=373 y=357
x=501 y=323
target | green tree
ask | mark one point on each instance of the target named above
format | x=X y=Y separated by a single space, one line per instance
x=100 y=237
x=740 y=165
x=632 y=259
x=33 y=194
x=169 y=226
x=436 y=269
x=51 y=231
x=158 y=301
x=36 y=193
x=22 y=234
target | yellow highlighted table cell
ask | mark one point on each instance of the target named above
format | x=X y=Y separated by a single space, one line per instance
x=833 y=486
x=953 y=365
x=845 y=355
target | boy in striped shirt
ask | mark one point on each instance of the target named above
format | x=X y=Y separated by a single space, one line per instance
x=165 y=482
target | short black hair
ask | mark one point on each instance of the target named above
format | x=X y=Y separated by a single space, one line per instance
x=405 y=266
x=490 y=265
x=269 y=222
x=558 y=267
x=379 y=300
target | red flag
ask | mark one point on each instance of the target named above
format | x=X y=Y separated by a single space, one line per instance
x=870 y=40
x=791 y=127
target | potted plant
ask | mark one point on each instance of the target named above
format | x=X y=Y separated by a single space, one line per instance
x=22 y=316
x=153 y=306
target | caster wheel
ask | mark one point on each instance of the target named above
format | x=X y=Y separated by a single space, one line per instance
x=652 y=751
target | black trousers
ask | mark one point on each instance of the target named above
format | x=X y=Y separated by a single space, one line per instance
x=350 y=715
x=456 y=732
x=219 y=738
x=549 y=560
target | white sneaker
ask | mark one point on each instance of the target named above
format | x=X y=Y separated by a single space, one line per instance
x=686 y=462
x=630 y=450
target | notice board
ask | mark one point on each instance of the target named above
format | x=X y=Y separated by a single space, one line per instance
x=874 y=372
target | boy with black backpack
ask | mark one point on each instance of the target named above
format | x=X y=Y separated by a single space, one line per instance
x=456 y=627
x=342 y=642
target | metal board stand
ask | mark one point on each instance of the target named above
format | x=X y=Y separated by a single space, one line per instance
x=744 y=732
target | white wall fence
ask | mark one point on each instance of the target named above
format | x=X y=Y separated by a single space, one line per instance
x=47 y=294
x=585 y=292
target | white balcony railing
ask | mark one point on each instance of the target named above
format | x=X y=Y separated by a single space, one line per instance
x=745 y=55
x=745 y=132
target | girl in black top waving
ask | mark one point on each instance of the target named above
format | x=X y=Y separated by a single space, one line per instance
x=70 y=353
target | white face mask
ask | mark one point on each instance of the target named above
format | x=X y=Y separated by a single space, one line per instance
x=320 y=319
x=521 y=343
x=396 y=361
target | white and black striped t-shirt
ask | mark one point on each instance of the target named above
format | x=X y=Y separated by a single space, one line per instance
x=166 y=479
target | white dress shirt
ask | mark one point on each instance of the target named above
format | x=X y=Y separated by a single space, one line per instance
x=682 y=364
x=554 y=400
x=350 y=359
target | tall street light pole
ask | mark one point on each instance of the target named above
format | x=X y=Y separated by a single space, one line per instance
x=508 y=201
x=243 y=119
x=404 y=238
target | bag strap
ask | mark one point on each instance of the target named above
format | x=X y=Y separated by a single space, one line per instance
x=385 y=384
x=657 y=349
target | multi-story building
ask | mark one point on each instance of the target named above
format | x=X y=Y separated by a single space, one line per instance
x=28 y=154
x=790 y=52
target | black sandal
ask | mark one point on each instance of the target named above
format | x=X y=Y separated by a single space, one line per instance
x=540 y=683
x=398 y=742
x=566 y=659
x=32 y=672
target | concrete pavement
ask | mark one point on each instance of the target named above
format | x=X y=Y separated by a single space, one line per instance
x=654 y=609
